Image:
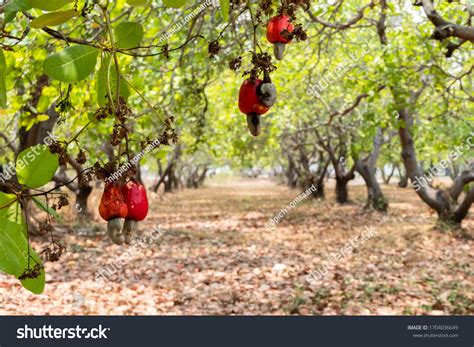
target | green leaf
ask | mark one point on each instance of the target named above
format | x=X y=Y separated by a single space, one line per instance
x=136 y=3
x=225 y=6
x=41 y=205
x=35 y=285
x=53 y=18
x=71 y=65
x=42 y=117
x=14 y=255
x=174 y=3
x=35 y=166
x=13 y=7
x=128 y=34
x=161 y=154
x=11 y=208
x=107 y=82
x=7 y=201
x=49 y=5
x=3 y=75
x=12 y=246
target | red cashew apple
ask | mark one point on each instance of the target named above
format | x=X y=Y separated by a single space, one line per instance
x=249 y=102
x=135 y=197
x=112 y=208
x=255 y=98
x=274 y=28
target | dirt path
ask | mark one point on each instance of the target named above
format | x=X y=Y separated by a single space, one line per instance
x=215 y=256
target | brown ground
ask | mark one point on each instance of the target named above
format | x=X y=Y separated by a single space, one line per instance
x=216 y=257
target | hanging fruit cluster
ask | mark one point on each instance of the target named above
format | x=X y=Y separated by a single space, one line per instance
x=276 y=26
x=127 y=202
x=257 y=96
x=281 y=29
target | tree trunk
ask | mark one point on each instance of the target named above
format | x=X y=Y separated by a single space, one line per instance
x=162 y=174
x=291 y=173
x=169 y=179
x=81 y=191
x=367 y=169
x=375 y=197
x=168 y=176
x=386 y=179
x=342 y=175
x=168 y=185
x=342 y=192
x=403 y=179
x=174 y=180
x=319 y=194
x=202 y=177
x=38 y=132
x=342 y=180
x=81 y=201
x=437 y=199
x=453 y=171
x=320 y=178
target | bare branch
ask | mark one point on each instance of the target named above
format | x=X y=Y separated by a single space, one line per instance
x=342 y=26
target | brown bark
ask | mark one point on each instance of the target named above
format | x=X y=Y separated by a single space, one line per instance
x=462 y=179
x=291 y=175
x=342 y=177
x=82 y=196
x=403 y=180
x=167 y=176
x=443 y=28
x=367 y=169
x=387 y=178
x=38 y=132
x=342 y=192
x=439 y=200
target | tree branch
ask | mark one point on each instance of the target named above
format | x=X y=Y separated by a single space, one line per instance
x=443 y=28
x=466 y=177
x=341 y=26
